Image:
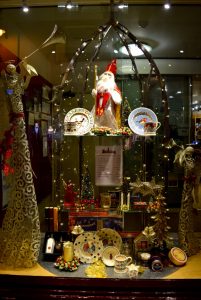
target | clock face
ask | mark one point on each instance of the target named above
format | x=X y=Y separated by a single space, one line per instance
x=81 y=119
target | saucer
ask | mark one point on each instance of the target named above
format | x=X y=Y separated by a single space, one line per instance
x=108 y=255
x=121 y=272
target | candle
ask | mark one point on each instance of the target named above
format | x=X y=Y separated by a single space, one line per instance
x=68 y=251
x=122 y=200
x=128 y=200
x=55 y=218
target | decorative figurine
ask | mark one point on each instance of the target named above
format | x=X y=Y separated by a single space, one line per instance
x=107 y=99
x=192 y=173
x=20 y=236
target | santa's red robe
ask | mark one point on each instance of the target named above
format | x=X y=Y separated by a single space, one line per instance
x=101 y=102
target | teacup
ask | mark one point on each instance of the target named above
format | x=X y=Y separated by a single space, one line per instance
x=150 y=128
x=121 y=262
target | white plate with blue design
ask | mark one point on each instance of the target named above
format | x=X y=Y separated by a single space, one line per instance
x=138 y=117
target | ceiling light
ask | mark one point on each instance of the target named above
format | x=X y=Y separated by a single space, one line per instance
x=134 y=49
x=2 y=31
x=122 y=5
x=181 y=51
x=70 y=5
x=25 y=7
x=167 y=5
x=61 y=5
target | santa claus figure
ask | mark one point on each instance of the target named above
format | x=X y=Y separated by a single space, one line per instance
x=107 y=99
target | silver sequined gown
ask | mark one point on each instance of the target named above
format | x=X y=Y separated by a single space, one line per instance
x=20 y=240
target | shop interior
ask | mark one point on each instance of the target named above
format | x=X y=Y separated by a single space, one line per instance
x=81 y=186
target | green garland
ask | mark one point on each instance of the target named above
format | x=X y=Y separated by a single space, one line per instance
x=126 y=131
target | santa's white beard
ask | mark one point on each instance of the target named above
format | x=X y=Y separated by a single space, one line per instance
x=105 y=85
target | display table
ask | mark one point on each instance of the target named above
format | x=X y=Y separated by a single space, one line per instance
x=41 y=283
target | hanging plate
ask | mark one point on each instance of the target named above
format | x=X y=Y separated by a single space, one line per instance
x=78 y=121
x=138 y=117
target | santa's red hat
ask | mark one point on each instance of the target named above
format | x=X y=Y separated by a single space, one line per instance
x=112 y=67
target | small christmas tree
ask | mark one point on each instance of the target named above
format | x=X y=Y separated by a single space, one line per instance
x=161 y=227
x=126 y=109
x=87 y=189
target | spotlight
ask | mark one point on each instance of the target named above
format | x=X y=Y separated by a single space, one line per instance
x=25 y=7
x=61 y=6
x=167 y=5
x=122 y=5
x=68 y=5
x=2 y=31
x=134 y=49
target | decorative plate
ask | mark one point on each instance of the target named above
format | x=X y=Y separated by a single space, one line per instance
x=108 y=255
x=138 y=117
x=81 y=119
x=88 y=247
x=110 y=237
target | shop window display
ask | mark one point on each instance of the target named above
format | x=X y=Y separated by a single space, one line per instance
x=87 y=199
x=95 y=187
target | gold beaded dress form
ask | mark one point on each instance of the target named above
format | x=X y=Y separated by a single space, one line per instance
x=20 y=240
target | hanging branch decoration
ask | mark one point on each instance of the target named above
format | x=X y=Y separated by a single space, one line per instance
x=56 y=36
x=81 y=49
x=134 y=67
x=124 y=35
x=101 y=35
x=154 y=68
